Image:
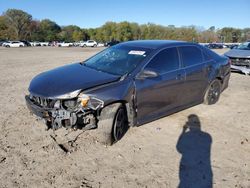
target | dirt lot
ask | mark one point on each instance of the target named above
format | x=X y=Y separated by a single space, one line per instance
x=146 y=157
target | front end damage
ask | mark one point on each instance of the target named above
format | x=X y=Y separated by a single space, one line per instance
x=80 y=112
x=241 y=65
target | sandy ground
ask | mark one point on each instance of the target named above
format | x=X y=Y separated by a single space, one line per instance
x=147 y=156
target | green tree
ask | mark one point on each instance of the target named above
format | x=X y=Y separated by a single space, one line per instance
x=5 y=32
x=72 y=33
x=19 y=21
x=124 y=31
x=229 y=34
x=49 y=30
x=245 y=34
x=109 y=31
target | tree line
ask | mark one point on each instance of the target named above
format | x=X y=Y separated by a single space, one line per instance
x=19 y=25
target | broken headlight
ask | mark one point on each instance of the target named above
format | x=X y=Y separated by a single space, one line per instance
x=82 y=101
x=87 y=101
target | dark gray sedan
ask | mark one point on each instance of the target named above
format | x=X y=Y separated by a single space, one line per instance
x=127 y=85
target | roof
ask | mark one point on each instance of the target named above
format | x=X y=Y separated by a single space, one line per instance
x=151 y=44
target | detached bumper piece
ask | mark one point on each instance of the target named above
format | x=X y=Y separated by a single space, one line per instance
x=56 y=118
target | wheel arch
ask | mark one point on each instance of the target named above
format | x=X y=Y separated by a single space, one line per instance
x=128 y=108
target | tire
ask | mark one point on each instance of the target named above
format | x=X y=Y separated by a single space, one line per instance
x=7 y=46
x=84 y=45
x=95 y=45
x=213 y=92
x=113 y=124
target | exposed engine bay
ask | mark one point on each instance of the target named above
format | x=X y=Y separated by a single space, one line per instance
x=77 y=113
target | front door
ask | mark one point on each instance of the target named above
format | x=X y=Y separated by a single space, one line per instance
x=157 y=95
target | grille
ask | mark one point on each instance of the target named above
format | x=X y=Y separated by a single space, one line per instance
x=44 y=102
x=241 y=62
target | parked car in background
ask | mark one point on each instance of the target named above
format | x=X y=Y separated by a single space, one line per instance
x=89 y=43
x=100 y=44
x=13 y=44
x=240 y=58
x=215 y=46
x=65 y=44
x=233 y=46
x=112 y=43
x=26 y=43
x=44 y=43
x=2 y=42
x=127 y=85
x=35 y=43
x=77 y=43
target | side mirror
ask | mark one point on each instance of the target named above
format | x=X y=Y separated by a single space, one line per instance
x=147 y=73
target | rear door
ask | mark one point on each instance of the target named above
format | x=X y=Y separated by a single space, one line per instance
x=196 y=73
x=157 y=95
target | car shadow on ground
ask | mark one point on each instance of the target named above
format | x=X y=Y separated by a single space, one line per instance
x=195 y=147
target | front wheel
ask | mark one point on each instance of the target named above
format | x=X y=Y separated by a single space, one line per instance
x=113 y=124
x=212 y=94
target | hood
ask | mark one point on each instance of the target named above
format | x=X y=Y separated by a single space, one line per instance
x=67 y=79
x=238 y=53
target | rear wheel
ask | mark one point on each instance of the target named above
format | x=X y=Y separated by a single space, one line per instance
x=212 y=94
x=113 y=124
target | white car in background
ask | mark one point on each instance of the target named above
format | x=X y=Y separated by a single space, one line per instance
x=89 y=43
x=44 y=43
x=100 y=45
x=13 y=44
x=35 y=43
x=64 y=44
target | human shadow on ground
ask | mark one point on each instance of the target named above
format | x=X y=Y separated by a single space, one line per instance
x=195 y=147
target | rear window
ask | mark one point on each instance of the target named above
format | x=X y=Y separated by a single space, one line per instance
x=206 y=56
x=210 y=53
x=191 y=55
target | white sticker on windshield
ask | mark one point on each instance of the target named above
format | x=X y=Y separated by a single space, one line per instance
x=135 y=52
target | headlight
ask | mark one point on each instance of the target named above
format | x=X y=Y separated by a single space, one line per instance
x=83 y=99
x=87 y=101
x=69 y=95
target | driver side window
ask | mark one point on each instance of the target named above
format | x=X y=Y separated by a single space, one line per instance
x=165 y=61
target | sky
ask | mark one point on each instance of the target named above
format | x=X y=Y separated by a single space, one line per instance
x=94 y=13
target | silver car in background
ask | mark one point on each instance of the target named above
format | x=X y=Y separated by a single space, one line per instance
x=240 y=58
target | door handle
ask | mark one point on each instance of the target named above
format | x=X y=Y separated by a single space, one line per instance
x=209 y=67
x=180 y=76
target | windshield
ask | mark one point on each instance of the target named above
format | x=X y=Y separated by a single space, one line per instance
x=117 y=60
x=244 y=46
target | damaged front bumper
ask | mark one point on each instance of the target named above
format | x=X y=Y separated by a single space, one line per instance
x=240 y=65
x=242 y=69
x=55 y=114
